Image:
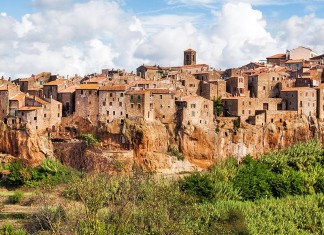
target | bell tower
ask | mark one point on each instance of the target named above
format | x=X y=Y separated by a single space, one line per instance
x=189 y=57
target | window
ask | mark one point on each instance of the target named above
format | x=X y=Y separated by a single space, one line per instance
x=121 y=94
x=108 y=113
x=193 y=106
x=58 y=106
x=242 y=102
x=264 y=88
x=193 y=113
x=121 y=113
x=161 y=97
x=110 y=94
x=120 y=104
x=139 y=106
x=242 y=111
x=45 y=115
x=81 y=92
x=114 y=113
x=58 y=115
x=90 y=92
x=110 y=103
x=35 y=118
x=89 y=102
x=163 y=116
x=132 y=106
x=104 y=103
x=132 y=97
x=138 y=97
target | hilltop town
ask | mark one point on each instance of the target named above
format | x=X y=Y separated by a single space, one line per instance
x=284 y=88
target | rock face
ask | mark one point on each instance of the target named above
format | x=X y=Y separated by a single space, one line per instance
x=25 y=145
x=157 y=147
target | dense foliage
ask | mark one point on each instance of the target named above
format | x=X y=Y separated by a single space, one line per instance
x=280 y=193
x=50 y=172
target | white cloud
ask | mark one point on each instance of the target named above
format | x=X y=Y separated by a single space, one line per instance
x=88 y=36
x=307 y=31
x=237 y=36
x=83 y=38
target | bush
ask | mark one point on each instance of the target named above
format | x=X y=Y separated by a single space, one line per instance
x=7 y=229
x=89 y=139
x=16 y=197
x=175 y=152
x=19 y=174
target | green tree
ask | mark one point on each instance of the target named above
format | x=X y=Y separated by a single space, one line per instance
x=218 y=106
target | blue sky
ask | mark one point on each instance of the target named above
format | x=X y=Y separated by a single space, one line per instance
x=84 y=36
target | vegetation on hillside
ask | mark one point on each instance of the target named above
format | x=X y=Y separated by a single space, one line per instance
x=280 y=193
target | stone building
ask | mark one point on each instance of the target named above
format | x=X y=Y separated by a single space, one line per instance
x=41 y=115
x=151 y=72
x=213 y=89
x=189 y=57
x=301 y=99
x=51 y=89
x=7 y=91
x=35 y=81
x=138 y=105
x=245 y=107
x=163 y=102
x=195 y=110
x=87 y=101
x=237 y=86
x=300 y=53
x=320 y=102
x=67 y=98
x=278 y=59
x=190 y=84
x=112 y=103
x=266 y=85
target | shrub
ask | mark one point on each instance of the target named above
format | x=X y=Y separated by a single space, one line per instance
x=16 y=197
x=7 y=229
x=175 y=152
x=89 y=140
x=19 y=174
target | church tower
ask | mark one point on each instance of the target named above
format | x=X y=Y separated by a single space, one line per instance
x=189 y=57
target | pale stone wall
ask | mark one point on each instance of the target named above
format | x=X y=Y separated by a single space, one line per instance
x=111 y=105
x=86 y=104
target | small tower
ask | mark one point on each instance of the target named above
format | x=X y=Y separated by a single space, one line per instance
x=189 y=57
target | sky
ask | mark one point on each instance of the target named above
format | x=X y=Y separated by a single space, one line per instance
x=69 y=37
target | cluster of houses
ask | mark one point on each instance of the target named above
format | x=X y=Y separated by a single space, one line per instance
x=288 y=84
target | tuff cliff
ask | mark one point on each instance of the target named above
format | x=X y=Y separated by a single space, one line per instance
x=25 y=144
x=157 y=147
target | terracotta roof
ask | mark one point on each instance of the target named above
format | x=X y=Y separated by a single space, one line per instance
x=190 y=50
x=317 y=57
x=143 y=82
x=6 y=87
x=18 y=96
x=37 y=99
x=296 y=89
x=29 y=108
x=189 y=98
x=55 y=82
x=294 y=61
x=139 y=92
x=277 y=56
x=195 y=66
x=69 y=89
x=88 y=87
x=95 y=79
x=26 y=79
x=35 y=88
x=113 y=88
x=160 y=91
x=151 y=67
